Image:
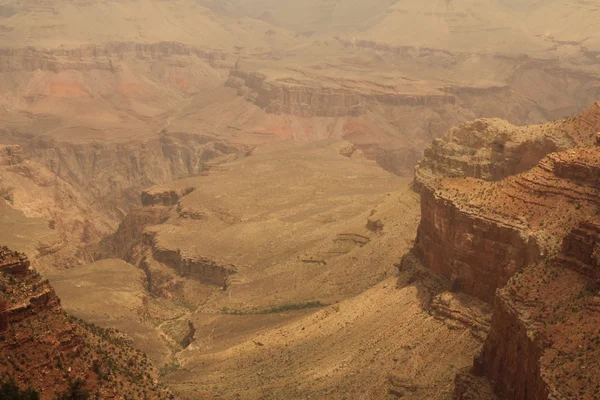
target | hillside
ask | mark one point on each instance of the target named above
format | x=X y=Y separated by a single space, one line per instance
x=44 y=348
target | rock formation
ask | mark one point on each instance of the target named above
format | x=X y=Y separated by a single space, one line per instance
x=523 y=237
x=11 y=155
x=478 y=227
x=544 y=341
x=492 y=149
x=44 y=348
x=339 y=99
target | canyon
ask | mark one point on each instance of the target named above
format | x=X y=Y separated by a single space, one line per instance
x=318 y=199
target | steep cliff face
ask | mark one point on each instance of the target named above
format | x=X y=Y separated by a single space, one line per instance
x=478 y=234
x=480 y=222
x=544 y=342
x=527 y=242
x=313 y=99
x=42 y=347
x=204 y=269
x=477 y=252
x=72 y=220
x=112 y=175
x=100 y=56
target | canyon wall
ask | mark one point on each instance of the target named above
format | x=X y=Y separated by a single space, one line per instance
x=478 y=233
x=44 y=348
x=484 y=207
x=103 y=57
x=112 y=175
x=314 y=99
x=513 y=226
x=477 y=253
x=544 y=342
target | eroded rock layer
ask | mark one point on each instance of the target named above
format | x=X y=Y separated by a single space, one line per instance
x=479 y=228
x=525 y=238
x=44 y=348
x=491 y=149
x=544 y=342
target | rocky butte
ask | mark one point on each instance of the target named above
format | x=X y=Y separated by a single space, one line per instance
x=510 y=215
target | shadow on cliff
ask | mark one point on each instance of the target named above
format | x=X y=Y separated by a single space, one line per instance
x=412 y=273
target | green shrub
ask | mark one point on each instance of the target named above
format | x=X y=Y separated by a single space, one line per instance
x=76 y=391
x=9 y=390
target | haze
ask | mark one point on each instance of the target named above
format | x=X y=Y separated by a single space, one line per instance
x=276 y=199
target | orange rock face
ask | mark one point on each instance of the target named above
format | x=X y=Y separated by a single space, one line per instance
x=544 y=342
x=480 y=224
x=478 y=234
x=530 y=244
x=43 y=347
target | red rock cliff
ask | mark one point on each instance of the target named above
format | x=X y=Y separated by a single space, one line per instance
x=544 y=342
x=42 y=347
x=479 y=227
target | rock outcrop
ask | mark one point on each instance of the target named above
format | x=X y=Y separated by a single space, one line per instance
x=524 y=238
x=101 y=57
x=478 y=228
x=204 y=269
x=10 y=155
x=478 y=234
x=166 y=197
x=544 y=341
x=492 y=149
x=312 y=99
x=44 y=348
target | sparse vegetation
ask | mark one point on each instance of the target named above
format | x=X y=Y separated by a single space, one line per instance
x=9 y=390
x=275 y=309
x=76 y=391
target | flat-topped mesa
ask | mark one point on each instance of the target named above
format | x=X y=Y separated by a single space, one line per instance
x=478 y=234
x=10 y=155
x=491 y=149
x=312 y=99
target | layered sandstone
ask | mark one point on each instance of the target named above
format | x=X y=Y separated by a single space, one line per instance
x=44 y=348
x=478 y=227
x=103 y=56
x=336 y=98
x=544 y=342
x=206 y=270
x=491 y=149
x=525 y=239
x=478 y=234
